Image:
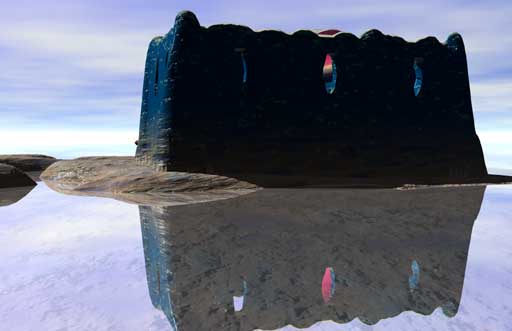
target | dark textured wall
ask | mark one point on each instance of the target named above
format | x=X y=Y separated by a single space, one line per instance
x=198 y=114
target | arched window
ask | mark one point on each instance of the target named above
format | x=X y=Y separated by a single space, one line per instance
x=244 y=67
x=242 y=52
x=419 y=76
x=329 y=74
x=238 y=301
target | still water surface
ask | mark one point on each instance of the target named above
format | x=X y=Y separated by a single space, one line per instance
x=428 y=259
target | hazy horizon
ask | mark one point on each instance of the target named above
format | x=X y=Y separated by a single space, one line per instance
x=71 y=73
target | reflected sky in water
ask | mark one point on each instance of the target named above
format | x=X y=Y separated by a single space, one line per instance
x=73 y=263
x=85 y=263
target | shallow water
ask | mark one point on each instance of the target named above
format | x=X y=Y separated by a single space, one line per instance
x=429 y=259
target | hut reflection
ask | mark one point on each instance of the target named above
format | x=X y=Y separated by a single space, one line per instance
x=297 y=256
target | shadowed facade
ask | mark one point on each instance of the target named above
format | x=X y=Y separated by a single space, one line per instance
x=231 y=101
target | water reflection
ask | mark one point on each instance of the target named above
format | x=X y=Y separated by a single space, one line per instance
x=414 y=279
x=383 y=251
x=9 y=196
x=328 y=284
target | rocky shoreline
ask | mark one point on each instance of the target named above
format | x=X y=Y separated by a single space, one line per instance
x=122 y=178
x=28 y=162
x=20 y=170
x=125 y=179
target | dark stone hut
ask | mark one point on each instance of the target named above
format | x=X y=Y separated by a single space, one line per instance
x=254 y=105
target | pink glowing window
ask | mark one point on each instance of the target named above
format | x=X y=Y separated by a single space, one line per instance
x=329 y=74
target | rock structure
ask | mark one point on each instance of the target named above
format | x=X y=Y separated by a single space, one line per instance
x=231 y=101
x=389 y=250
x=13 y=177
x=120 y=177
x=28 y=162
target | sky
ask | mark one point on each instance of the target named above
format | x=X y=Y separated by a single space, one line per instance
x=71 y=72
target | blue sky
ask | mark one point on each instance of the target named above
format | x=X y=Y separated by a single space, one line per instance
x=71 y=71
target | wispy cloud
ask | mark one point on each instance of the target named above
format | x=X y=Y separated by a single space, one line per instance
x=85 y=47
x=492 y=96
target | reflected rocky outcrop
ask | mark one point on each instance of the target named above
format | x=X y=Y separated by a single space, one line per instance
x=297 y=256
x=13 y=177
x=9 y=196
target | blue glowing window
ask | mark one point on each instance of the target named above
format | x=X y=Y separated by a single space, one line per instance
x=419 y=78
x=244 y=67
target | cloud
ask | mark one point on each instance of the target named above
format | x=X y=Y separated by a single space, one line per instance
x=497 y=147
x=69 y=65
x=492 y=96
x=496 y=138
x=118 y=52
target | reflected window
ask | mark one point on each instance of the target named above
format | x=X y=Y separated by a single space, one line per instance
x=329 y=74
x=238 y=301
x=328 y=284
x=414 y=278
x=419 y=76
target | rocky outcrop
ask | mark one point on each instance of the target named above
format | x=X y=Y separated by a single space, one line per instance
x=230 y=101
x=12 y=177
x=28 y=162
x=122 y=178
x=125 y=179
